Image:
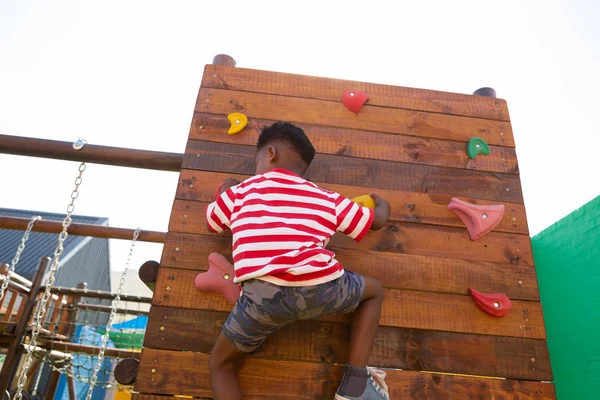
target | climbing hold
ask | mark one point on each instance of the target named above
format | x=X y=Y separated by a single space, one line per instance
x=479 y=220
x=218 y=190
x=365 y=201
x=354 y=100
x=219 y=278
x=494 y=304
x=238 y=123
x=477 y=146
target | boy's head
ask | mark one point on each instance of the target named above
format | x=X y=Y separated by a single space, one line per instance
x=283 y=145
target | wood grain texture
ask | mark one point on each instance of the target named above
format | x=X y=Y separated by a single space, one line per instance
x=372 y=174
x=168 y=372
x=405 y=309
x=319 y=341
x=365 y=144
x=393 y=270
x=423 y=208
x=294 y=85
x=395 y=237
x=370 y=118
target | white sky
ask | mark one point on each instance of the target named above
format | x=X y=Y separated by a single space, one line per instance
x=126 y=73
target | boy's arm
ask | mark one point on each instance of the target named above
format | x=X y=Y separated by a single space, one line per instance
x=381 y=211
x=356 y=221
x=218 y=213
x=227 y=183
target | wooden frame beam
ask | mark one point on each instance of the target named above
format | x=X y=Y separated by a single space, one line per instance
x=77 y=229
x=116 y=156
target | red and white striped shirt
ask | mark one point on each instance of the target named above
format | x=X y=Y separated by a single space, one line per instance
x=281 y=223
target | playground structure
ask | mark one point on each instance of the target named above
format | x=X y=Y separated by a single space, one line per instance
x=66 y=340
x=461 y=314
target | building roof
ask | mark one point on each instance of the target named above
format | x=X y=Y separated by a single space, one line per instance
x=39 y=244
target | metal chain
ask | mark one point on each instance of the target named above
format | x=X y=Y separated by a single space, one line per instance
x=15 y=260
x=111 y=317
x=38 y=321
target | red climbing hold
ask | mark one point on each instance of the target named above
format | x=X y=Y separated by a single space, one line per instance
x=218 y=190
x=479 y=220
x=354 y=100
x=494 y=304
x=219 y=278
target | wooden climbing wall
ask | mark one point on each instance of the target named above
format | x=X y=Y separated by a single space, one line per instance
x=409 y=146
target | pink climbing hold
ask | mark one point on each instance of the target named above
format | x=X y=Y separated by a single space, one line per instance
x=219 y=278
x=494 y=304
x=479 y=220
x=354 y=100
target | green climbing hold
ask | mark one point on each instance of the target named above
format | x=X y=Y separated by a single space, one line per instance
x=477 y=146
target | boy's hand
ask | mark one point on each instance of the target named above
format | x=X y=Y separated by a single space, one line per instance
x=381 y=211
x=227 y=183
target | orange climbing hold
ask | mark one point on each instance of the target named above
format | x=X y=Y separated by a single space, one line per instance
x=218 y=278
x=238 y=123
x=494 y=304
x=479 y=220
x=354 y=100
x=365 y=201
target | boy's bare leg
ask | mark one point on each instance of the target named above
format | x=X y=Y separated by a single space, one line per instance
x=365 y=323
x=224 y=363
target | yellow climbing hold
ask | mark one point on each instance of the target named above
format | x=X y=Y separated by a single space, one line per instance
x=238 y=123
x=365 y=201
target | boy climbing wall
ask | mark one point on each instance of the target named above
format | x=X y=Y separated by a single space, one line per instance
x=280 y=224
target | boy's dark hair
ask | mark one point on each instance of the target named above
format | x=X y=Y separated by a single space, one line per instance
x=291 y=134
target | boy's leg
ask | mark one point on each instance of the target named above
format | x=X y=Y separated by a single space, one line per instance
x=224 y=363
x=358 y=382
x=261 y=310
x=365 y=323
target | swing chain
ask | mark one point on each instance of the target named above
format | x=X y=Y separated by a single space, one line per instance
x=41 y=311
x=15 y=260
x=111 y=317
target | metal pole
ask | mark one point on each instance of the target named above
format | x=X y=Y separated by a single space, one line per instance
x=98 y=231
x=90 y=153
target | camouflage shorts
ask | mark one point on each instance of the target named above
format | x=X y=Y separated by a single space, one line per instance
x=264 y=307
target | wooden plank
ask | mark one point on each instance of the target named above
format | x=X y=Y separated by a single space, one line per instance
x=318 y=341
x=396 y=237
x=393 y=270
x=364 y=144
x=370 y=118
x=405 y=309
x=423 y=208
x=239 y=159
x=169 y=372
x=248 y=80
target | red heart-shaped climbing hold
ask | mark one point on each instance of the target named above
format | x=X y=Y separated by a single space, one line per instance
x=354 y=100
x=494 y=304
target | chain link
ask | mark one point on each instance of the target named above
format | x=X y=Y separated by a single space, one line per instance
x=38 y=320
x=15 y=260
x=111 y=317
